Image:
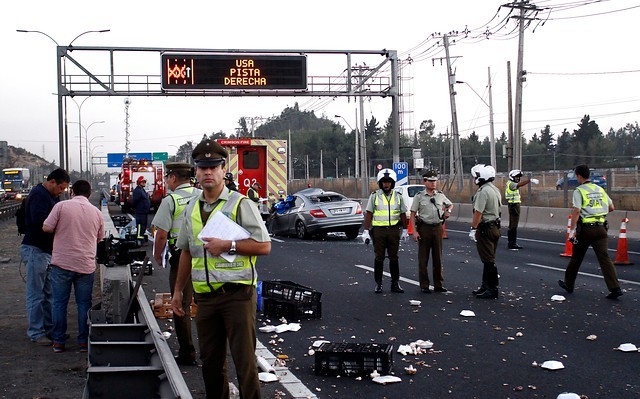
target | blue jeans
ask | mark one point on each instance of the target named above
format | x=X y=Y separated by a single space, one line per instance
x=61 y=281
x=38 y=298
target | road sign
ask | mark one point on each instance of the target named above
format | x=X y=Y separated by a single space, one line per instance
x=160 y=156
x=114 y=160
x=402 y=171
x=233 y=72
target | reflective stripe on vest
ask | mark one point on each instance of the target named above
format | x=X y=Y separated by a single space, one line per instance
x=386 y=212
x=208 y=272
x=595 y=204
x=512 y=196
x=181 y=198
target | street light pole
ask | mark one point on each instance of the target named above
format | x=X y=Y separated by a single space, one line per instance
x=88 y=143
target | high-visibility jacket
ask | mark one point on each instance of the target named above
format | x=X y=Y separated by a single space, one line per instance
x=386 y=212
x=208 y=272
x=181 y=198
x=512 y=196
x=595 y=203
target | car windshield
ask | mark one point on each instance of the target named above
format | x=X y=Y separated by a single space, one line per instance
x=413 y=190
x=327 y=198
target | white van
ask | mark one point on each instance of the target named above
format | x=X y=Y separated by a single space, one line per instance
x=408 y=192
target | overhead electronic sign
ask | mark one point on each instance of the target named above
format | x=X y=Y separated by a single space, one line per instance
x=233 y=72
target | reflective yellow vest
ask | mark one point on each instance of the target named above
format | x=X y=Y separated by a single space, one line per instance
x=181 y=198
x=386 y=212
x=208 y=272
x=512 y=196
x=595 y=203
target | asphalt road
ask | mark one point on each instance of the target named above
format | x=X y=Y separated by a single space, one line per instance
x=491 y=355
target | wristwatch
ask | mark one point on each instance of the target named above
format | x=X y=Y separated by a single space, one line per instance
x=232 y=250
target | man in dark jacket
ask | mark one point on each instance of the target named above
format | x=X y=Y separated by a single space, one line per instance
x=141 y=205
x=36 y=254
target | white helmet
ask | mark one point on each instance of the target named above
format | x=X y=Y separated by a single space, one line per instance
x=483 y=173
x=515 y=173
x=387 y=174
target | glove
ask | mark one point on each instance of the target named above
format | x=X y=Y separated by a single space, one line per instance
x=572 y=237
x=405 y=235
x=366 y=238
x=472 y=235
x=535 y=181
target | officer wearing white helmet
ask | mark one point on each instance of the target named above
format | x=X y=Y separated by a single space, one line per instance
x=485 y=227
x=386 y=218
x=512 y=195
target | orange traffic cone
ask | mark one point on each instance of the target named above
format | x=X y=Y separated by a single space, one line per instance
x=568 y=246
x=444 y=230
x=410 y=229
x=622 y=255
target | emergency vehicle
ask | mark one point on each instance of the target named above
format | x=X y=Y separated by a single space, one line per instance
x=258 y=160
x=132 y=169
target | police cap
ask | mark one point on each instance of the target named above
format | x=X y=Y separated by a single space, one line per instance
x=177 y=167
x=209 y=153
x=430 y=175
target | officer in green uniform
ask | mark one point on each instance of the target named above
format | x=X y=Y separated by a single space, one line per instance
x=512 y=195
x=224 y=287
x=429 y=210
x=387 y=213
x=167 y=221
x=485 y=227
x=589 y=226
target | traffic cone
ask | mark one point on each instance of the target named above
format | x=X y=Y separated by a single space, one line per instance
x=568 y=246
x=444 y=230
x=622 y=255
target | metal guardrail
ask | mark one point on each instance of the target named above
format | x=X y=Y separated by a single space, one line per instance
x=8 y=209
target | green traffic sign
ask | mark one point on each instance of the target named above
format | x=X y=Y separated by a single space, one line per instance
x=160 y=156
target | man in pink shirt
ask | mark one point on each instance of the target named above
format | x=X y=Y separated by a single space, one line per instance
x=77 y=226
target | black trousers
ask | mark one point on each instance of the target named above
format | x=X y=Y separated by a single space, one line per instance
x=182 y=324
x=514 y=219
x=386 y=240
x=596 y=237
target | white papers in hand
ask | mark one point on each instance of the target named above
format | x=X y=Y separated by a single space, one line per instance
x=220 y=226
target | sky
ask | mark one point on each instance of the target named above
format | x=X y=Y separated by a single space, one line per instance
x=578 y=54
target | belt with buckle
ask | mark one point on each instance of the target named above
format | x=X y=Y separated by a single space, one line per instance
x=225 y=289
x=593 y=224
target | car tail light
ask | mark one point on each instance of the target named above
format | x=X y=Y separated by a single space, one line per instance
x=358 y=210
x=317 y=213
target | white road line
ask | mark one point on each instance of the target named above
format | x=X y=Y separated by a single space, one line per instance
x=580 y=273
x=406 y=280
x=289 y=381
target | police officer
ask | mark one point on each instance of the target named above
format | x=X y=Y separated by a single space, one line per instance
x=253 y=193
x=589 y=226
x=485 y=227
x=386 y=217
x=429 y=210
x=141 y=204
x=228 y=181
x=168 y=220
x=512 y=195
x=224 y=290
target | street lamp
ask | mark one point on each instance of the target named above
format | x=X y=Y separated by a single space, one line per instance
x=357 y=157
x=80 y=127
x=88 y=142
x=177 y=150
x=86 y=135
x=63 y=137
x=93 y=156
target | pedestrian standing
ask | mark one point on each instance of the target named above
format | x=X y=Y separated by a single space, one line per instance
x=141 y=205
x=485 y=228
x=429 y=210
x=228 y=181
x=589 y=226
x=77 y=226
x=512 y=195
x=386 y=217
x=167 y=221
x=224 y=289
x=36 y=254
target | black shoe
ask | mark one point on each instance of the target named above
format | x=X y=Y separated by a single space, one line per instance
x=565 y=287
x=395 y=287
x=440 y=289
x=186 y=361
x=425 y=290
x=480 y=290
x=378 y=289
x=615 y=293
x=514 y=246
x=489 y=293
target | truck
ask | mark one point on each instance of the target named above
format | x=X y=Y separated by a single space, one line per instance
x=16 y=182
x=259 y=160
x=132 y=169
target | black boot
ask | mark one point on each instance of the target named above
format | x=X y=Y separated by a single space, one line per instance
x=395 y=287
x=378 y=289
x=480 y=290
x=489 y=293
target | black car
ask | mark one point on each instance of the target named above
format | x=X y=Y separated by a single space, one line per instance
x=316 y=212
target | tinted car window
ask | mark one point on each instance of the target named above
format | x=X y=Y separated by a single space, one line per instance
x=413 y=190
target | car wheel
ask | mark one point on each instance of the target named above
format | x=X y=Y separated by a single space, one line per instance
x=352 y=234
x=301 y=230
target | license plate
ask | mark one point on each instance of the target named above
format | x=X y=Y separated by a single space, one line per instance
x=340 y=211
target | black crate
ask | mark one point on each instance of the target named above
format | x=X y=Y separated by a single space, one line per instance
x=353 y=360
x=291 y=310
x=290 y=291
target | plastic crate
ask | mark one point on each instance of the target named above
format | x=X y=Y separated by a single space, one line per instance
x=290 y=291
x=291 y=310
x=353 y=360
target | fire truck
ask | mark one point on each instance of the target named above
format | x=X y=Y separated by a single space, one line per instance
x=132 y=169
x=261 y=160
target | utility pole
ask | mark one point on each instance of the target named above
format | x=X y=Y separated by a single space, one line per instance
x=127 y=102
x=253 y=122
x=457 y=153
x=510 y=119
x=492 y=137
x=364 y=170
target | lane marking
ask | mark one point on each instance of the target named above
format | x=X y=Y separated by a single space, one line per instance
x=580 y=273
x=286 y=378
